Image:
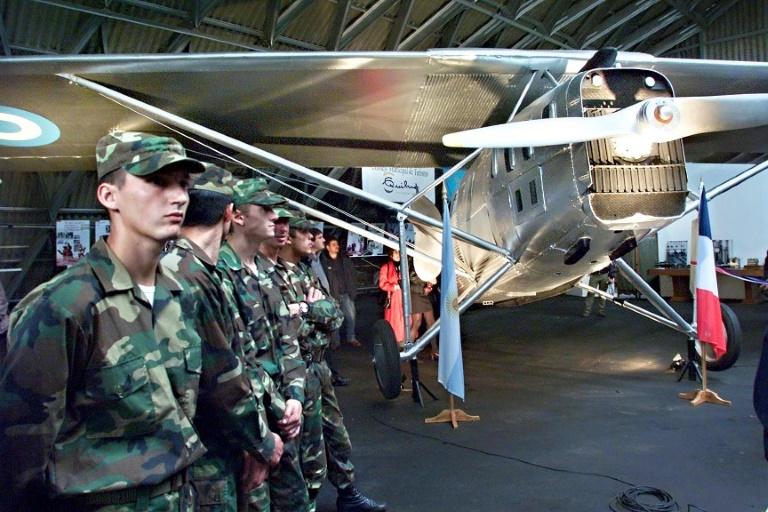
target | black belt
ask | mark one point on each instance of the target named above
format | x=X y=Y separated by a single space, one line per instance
x=102 y=498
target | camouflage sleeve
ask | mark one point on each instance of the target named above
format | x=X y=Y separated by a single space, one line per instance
x=293 y=368
x=325 y=314
x=226 y=396
x=33 y=391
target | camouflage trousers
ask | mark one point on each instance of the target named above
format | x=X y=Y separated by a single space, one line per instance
x=312 y=448
x=214 y=479
x=287 y=489
x=338 y=448
x=176 y=501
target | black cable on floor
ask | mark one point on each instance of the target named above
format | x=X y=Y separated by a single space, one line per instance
x=627 y=497
x=630 y=500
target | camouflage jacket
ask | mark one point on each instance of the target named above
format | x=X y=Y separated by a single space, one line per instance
x=190 y=262
x=270 y=323
x=324 y=315
x=99 y=387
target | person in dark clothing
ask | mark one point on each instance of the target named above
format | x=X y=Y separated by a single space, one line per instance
x=341 y=281
x=760 y=394
x=600 y=280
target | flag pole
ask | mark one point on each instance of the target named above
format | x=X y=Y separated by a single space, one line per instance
x=709 y=329
x=450 y=372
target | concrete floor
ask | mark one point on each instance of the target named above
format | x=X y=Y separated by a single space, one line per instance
x=573 y=411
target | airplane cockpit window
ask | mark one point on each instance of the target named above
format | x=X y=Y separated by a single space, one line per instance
x=534 y=194
x=509 y=158
x=519 y=200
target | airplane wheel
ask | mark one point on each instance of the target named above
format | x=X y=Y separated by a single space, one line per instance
x=386 y=359
x=733 y=338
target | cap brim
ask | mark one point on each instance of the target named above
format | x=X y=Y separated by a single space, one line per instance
x=166 y=160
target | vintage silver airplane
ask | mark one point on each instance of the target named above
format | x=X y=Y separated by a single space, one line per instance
x=579 y=154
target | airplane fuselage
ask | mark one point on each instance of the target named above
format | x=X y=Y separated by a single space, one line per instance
x=564 y=211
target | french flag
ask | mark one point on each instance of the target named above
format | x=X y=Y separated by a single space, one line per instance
x=709 y=320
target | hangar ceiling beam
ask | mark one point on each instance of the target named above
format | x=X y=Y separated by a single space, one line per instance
x=673 y=39
x=483 y=34
x=722 y=8
x=291 y=13
x=365 y=20
x=450 y=34
x=573 y=13
x=643 y=33
x=201 y=9
x=340 y=20
x=527 y=6
x=432 y=25
x=319 y=193
x=86 y=32
x=146 y=23
x=516 y=24
x=612 y=22
x=271 y=13
x=398 y=27
x=686 y=11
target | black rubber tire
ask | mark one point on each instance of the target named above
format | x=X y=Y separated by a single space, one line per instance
x=386 y=359
x=733 y=339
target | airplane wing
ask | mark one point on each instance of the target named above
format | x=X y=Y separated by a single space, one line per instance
x=318 y=109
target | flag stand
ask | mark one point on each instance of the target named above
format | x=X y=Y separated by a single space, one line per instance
x=452 y=416
x=700 y=396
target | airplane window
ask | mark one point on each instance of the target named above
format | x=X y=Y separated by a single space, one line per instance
x=527 y=153
x=495 y=163
x=519 y=200
x=509 y=157
x=532 y=189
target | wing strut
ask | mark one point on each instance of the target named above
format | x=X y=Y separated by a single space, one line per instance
x=275 y=160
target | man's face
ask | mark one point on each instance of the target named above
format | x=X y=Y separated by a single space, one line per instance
x=258 y=222
x=333 y=248
x=319 y=243
x=302 y=242
x=281 y=232
x=150 y=206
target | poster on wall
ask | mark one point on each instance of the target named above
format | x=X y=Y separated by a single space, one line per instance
x=398 y=184
x=101 y=228
x=394 y=228
x=73 y=238
x=358 y=245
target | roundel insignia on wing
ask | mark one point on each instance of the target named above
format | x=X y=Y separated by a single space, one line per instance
x=21 y=128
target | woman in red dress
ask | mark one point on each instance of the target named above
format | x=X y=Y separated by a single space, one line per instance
x=389 y=281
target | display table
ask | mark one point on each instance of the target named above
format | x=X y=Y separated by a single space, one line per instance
x=728 y=287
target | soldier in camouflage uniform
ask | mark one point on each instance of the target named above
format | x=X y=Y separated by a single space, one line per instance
x=109 y=361
x=325 y=442
x=215 y=477
x=275 y=360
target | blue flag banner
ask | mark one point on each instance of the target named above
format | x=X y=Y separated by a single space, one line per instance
x=450 y=370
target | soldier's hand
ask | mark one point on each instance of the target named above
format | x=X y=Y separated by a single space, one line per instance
x=313 y=294
x=254 y=472
x=290 y=423
x=275 y=459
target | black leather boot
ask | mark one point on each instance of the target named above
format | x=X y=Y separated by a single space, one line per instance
x=352 y=500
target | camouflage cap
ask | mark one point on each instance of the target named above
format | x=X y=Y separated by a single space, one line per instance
x=300 y=221
x=214 y=179
x=283 y=213
x=254 y=191
x=140 y=154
